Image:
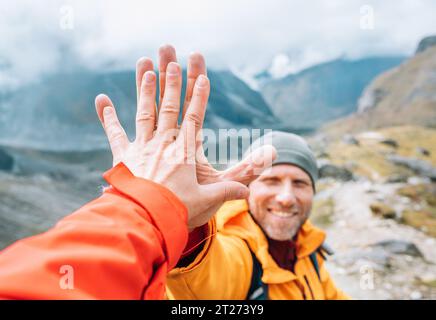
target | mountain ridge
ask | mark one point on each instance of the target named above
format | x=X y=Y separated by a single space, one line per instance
x=323 y=92
x=405 y=95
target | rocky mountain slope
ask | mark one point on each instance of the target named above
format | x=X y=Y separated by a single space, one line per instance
x=323 y=92
x=403 y=95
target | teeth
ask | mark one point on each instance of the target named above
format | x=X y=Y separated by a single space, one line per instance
x=283 y=214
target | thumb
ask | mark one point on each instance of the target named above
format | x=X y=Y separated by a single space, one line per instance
x=213 y=196
x=253 y=165
x=221 y=192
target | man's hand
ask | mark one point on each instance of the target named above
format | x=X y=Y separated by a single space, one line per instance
x=245 y=171
x=167 y=155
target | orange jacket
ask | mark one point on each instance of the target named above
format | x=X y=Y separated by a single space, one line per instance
x=119 y=246
x=223 y=268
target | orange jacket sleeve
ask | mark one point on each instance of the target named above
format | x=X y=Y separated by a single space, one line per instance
x=119 y=246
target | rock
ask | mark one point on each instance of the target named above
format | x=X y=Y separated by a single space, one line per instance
x=371 y=135
x=415 y=180
x=383 y=210
x=6 y=161
x=416 y=295
x=376 y=257
x=322 y=154
x=390 y=142
x=399 y=247
x=426 y=43
x=322 y=161
x=370 y=99
x=349 y=139
x=405 y=200
x=351 y=165
x=332 y=171
x=419 y=166
x=423 y=151
x=380 y=197
x=397 y=178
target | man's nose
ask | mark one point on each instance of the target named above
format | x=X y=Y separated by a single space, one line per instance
x=286 y=197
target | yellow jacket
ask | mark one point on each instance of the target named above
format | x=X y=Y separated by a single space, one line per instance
x=223 y=269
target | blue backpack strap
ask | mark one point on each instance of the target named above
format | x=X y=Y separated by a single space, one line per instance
x=258 y=290
x=322 y=250
x=314 y=261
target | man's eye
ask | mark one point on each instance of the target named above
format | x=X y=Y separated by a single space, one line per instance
x=301 y=183
x=270 y=180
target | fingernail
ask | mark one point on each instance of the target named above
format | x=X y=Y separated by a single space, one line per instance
x=107 y=111
x=201 y=81
x=173 y=68
x=149 y=76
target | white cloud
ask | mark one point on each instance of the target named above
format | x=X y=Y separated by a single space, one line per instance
x=242 y=34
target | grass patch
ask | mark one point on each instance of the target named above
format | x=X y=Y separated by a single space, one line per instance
x=424 y=220
x=419 y=192
x=322 y=211
x=368 y=158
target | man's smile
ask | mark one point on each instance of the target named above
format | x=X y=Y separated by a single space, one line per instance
x=282 y=213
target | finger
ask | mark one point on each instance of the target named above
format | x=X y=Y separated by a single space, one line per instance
x=102 y=101
x=167 y=54
x=115 y=133
x=252 y=166
x=221 y=192
x=215 y=195
x=146 y=112
x=196 y=67
x=142 y=66
x=169 y=110
x=197 y=107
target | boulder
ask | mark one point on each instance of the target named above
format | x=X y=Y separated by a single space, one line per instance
x=423 y=151
x=390 y=142
x=349 y=139
x=399 y=247
x=329 y=170
x=420 y=167
x=397 y=178
x=6 y=161
x=382 y=210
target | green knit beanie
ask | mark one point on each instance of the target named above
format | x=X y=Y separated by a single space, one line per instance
x=291 y=149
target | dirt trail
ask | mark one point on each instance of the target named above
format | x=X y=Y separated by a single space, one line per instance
x=366 y=271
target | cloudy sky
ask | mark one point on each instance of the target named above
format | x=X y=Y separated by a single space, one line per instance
x=244 y=35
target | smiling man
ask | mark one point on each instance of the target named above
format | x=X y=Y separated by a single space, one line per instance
x=263 y=248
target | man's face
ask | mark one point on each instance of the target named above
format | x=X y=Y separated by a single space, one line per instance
x=280 y=200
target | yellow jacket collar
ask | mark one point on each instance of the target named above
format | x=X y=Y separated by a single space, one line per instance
x=234 y=218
